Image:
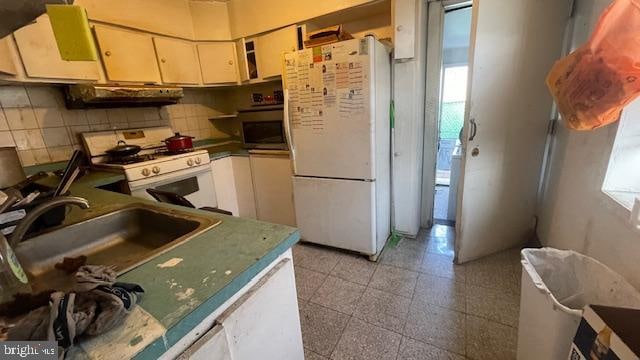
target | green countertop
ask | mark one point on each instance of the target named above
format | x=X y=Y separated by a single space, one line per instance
x=214 y=266
x=223 y=150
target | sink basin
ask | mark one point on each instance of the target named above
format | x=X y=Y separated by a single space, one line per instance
x=125 y=238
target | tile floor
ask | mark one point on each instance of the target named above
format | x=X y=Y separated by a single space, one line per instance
x=413 y=304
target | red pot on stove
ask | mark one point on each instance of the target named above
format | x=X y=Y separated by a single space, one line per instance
x=178 y=143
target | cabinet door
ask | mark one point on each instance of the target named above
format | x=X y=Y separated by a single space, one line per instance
x=178 y=61
x=218 y=62
x=127 y=56
x=244 y=187
x=264 y=323
x=212 y=345
x=270 y=49
x=225 y=185
x=41 y=58
x=273 y=188
x=6 y=59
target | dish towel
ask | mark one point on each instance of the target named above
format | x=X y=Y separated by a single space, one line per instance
x=97 y=305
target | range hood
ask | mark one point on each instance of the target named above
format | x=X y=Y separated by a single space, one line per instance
x=82 y=96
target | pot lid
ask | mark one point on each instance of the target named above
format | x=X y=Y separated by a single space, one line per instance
x=178 y=137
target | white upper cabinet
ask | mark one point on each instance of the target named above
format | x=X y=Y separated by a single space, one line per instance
x=270 y=49
x=41 y=57
x=166 y=17
x=178 y=60
x=218 y=62
x=127 y=56
x=404 y=34
x=7 y=65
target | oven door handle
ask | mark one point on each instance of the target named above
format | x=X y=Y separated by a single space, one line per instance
x=287 y=129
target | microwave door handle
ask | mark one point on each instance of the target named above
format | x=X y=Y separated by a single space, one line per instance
x=287 y=129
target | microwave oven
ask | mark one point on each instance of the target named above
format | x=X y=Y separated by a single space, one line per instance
x=263 y=129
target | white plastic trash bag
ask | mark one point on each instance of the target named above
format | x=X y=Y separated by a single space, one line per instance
x=556 y=285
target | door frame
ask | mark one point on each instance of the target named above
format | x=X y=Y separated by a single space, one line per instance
x=433 y=99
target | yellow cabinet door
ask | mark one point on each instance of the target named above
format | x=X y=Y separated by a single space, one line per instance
x=127 y=56
x=218 y=62
x=270 y=48
x=178 y=61
x=6 y=59
x=39 y=52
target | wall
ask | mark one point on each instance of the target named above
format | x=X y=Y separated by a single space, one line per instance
x=575 y=214
x=371 y=19
x=35 y=120
x=409 y=98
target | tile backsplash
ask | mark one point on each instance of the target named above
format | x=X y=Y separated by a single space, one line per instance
x=36 y=121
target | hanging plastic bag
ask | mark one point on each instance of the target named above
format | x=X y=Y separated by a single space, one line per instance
x=592 y=85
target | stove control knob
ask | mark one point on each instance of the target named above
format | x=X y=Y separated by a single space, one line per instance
x=190 y=162
x=156 y=170
x=146 y=172
x=198 y=160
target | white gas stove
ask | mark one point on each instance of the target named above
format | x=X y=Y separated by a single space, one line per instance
x=186 y=173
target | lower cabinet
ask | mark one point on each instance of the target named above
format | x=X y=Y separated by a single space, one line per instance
x=212 y=345
x=263 y=323
x=234 y=187
x=273 y=187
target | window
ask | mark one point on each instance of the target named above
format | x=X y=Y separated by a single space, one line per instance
x=622 y=181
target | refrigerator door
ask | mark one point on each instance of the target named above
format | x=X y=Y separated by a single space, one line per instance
x=329 y=96
x=335 y=212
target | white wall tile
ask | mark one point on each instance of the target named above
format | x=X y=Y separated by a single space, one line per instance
x=6 y=139
x=56 y=137
x=75 y=131
x=117 y=116
x=150 y=114
x=97 y=116
x=100 y=127
x=34 y=119
x=13 y=97
x=45 y=96
x=60 y=153
x=135 y=114
x=28 y=139
x=74 y=117
x=3 y=121
x=21 y=118
x=27 y=157
x=192 y=123
x=41 y=156
x=48 y=117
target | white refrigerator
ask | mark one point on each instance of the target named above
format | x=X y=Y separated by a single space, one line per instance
x=337 y=100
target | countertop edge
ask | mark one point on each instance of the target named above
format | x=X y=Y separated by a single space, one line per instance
x=174 y=334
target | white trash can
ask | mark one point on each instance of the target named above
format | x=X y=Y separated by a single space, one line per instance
x=556 y=285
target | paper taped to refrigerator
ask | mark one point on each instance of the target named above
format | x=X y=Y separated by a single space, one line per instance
x=327 y=86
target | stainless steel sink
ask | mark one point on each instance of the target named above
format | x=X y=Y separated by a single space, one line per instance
x=124 y=239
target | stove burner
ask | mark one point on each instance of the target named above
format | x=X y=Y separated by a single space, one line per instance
x=131 y=159
x=176 y=152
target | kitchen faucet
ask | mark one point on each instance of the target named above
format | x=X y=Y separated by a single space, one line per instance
x=33 y=215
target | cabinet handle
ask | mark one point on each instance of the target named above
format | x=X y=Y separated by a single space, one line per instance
x=107 y=53
x=230 y=62
x=163 y=60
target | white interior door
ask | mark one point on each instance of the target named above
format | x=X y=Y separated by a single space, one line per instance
x=513 y=46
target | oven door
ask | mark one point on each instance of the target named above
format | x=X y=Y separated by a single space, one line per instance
x=195 y=184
